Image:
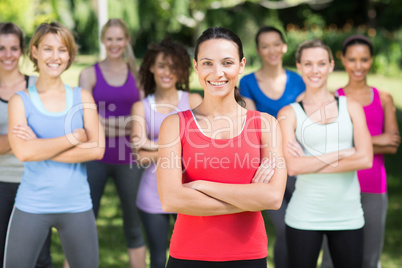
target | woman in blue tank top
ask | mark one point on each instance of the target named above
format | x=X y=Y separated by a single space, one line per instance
x=326 y=141
x=53 y=129
x=268 y=90
x=164 y=75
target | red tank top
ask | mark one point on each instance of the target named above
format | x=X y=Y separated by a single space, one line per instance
x=239 y=236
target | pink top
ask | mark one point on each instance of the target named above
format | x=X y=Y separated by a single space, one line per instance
x=239 y=236
x=373 y=180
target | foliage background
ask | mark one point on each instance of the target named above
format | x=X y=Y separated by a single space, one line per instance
x=184 y=20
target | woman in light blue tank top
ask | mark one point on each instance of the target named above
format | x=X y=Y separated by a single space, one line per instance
x=164 y=75
x=53 y=129
x=326 y=141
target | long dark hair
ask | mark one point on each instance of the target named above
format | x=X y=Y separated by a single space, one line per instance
x=222 y=33
x=181 y=64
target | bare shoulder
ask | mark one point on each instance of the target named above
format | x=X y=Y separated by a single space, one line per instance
x=170 y=130
x=16 y=100
x=353 y=105
x=386 y=98
x=86 y=96
x=87 y=78
x=137 y=108
x=172 y=120
x=268 y=118
x=268 y=123
x=194 y=99
x=286 y=112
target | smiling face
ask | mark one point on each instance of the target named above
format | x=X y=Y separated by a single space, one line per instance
x=52 y=55
x=164 y=72
x=115 y=41
x=10 y=52
x=357 y=62
x=271 y=48
x=218 y=66
x=315 y=66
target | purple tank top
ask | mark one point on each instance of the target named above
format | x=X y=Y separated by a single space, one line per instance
x=114 y=102
x=147 y=197
x=373 y=180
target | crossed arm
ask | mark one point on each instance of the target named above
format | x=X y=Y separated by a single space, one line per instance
x=79 y=146
x=358 y=157
x=387 y=142
x=205 y=198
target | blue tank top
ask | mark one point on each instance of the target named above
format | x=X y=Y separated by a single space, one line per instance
x=294 y=87
x=49 y=186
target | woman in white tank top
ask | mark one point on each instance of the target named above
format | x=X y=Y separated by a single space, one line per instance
x=326 y=140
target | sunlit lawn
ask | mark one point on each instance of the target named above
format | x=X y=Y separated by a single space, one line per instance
x=111 y=239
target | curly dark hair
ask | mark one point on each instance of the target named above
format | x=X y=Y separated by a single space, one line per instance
x=181 y=64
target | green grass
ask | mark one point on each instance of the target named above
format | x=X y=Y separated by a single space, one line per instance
x=111 y=239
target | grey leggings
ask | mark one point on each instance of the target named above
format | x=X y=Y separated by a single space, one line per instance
x=126 y=179
x=27 y=233
x=278 y=219
x=375 y=208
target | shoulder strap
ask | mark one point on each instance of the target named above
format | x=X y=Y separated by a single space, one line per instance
x=27 y=81
x=255 y=116
x=27 y=102
x=183 y=123
x=301 y=105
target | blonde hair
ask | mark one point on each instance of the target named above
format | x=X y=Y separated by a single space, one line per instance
x=314 y=43
x=53 y=28
x=128 y=51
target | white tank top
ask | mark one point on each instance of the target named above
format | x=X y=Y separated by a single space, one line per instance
x=325 y=201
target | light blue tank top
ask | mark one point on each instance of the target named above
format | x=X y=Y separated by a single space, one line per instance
x=49 y=186
x=325 y=201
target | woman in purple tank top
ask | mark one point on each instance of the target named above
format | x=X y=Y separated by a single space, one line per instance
x=164 y=75
x=357 y=58
x=114 y=88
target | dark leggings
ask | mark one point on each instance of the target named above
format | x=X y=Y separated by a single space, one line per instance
x=126 y=179
x=345 y=246
x=7 y=196
x=157 y=228
x=178 y=263
x=277 y=218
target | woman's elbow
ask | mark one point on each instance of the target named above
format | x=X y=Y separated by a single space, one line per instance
x=168 y=205
x=97 y=153
x=23 y=155
x=292 y=170
x=367 y=161
x=100 y=154
x=273 y=202
x=277 y=201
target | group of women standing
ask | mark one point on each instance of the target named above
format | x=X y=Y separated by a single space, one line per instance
x=210 y=164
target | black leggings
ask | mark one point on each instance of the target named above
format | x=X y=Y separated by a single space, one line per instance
x=345 y=246
x=178 y=263
x=157 y=230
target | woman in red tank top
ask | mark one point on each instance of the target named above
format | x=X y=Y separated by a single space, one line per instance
x=219 y=166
